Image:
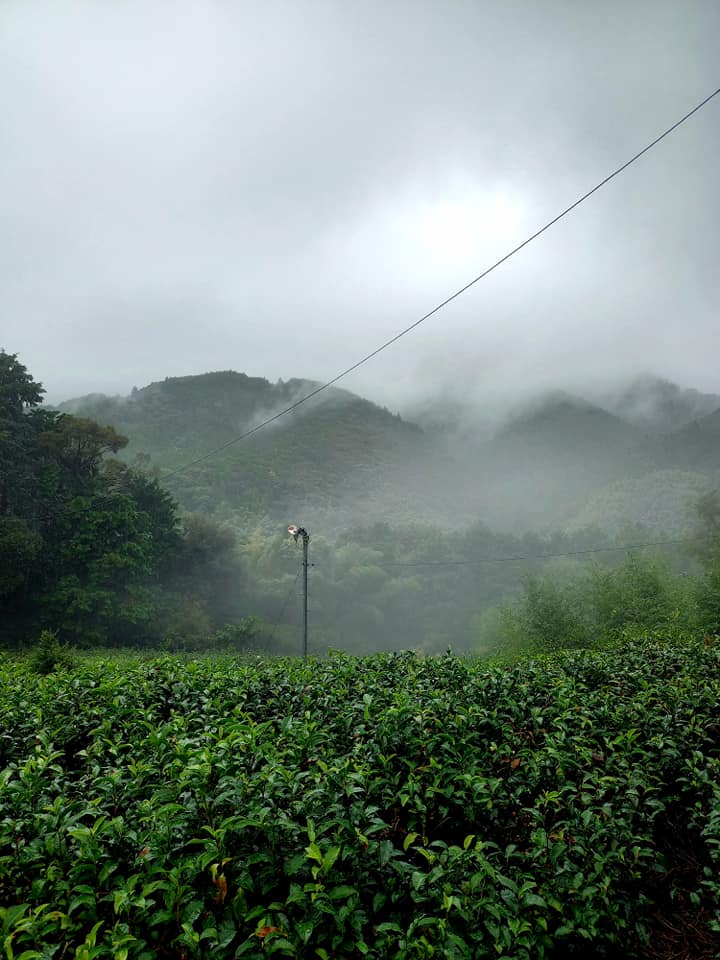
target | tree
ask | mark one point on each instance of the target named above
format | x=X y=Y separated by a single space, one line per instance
x=707 y=601
x=79 y=445
x=18 y=390
x=551 y=615
x=19 y=393
x=83 y=542
x=206 y=568
x=100 y=559
x=19 y=548
x=639 y=593
x=157 y=504
x=706 y=548
x=706 y=532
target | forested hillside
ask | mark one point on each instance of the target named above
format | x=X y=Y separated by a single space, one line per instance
x=340 y=460
x=418 y=539
x=335 y=453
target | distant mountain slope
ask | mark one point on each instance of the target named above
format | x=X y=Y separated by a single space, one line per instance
x=697 y=444
x=190 y=415
x=659 y=406
x=323 y=456
x=548 y=459
x=561 y=425
x=660 y=500
x=340 y=460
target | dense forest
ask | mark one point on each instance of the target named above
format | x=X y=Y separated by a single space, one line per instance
x=98 y=548
x=90 y=547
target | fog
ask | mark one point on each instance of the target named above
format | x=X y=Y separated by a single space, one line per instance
x=277 y=189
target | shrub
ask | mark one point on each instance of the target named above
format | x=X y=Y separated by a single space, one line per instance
x=50 y=655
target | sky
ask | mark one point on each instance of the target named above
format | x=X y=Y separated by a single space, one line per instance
x=279 y=187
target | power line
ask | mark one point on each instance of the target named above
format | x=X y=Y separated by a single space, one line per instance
x=530 y=556
x=444 y=303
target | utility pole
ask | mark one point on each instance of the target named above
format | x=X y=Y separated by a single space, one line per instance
x=297 y=532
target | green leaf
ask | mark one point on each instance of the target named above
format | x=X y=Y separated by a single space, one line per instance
x=314 y=852
x=417 y=879
x=341 y=893
x=409 y=839
x=329 y=859
x=533 y=900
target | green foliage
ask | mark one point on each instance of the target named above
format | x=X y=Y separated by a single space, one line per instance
x=19 y=549
x=18 y=390
x=49 y=655
x=371 y=588
x=91 y=548
x=658 y=499
x=707 y=601
x=78 y=445
x=706 y=534
x=242 y=636
x=595 y=604
x=551 y=617
x=330 y=449
x=384 y=807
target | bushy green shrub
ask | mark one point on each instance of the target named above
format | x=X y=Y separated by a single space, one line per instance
x=50 y=655
x=707 y=600
x=598 y=604
x=245 y=635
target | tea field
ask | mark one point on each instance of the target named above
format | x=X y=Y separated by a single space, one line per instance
x=389 y=807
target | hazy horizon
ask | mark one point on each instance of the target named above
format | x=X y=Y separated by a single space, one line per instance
x=496 y=405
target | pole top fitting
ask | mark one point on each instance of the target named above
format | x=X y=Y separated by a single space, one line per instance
x=296 y=532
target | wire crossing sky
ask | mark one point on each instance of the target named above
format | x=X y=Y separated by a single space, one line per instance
x=402 y=333
x=275 y=189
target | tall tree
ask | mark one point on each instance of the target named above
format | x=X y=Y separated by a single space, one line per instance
x=706 y=532
x=79 y=445
x=19 y=393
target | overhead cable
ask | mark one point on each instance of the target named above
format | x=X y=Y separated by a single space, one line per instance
x=444 y=303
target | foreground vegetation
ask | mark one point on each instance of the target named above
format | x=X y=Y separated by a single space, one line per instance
x=386 y=807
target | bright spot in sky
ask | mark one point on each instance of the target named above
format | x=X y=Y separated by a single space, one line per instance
x=427 y=237
x=462 y=230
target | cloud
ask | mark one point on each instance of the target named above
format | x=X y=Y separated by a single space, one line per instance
x=278 y=188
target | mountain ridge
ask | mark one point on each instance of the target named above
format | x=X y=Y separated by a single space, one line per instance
x=339 y=458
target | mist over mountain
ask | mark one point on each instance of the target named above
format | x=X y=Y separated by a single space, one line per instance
x=340 y=460
x=657 y=405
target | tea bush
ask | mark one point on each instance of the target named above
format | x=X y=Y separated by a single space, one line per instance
x=389 y=807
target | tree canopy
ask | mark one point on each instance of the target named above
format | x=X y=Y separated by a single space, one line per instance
x=91 y=548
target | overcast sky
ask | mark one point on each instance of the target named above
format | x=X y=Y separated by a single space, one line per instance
x=278 y=187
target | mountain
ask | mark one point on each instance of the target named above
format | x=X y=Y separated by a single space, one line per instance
x=659 y=500
x=697 y=444
x=562 y=424
x=323 y=457
x=548 y=458
x=339 y=460
x=659 y=406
